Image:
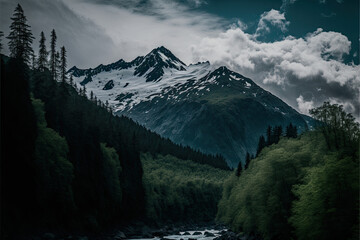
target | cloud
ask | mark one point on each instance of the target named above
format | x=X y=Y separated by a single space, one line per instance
x=103 y=31
x=304 y=106
x=289 y=67
x=136 y=27
x=82 y=38
x=197 y=3
x=271 y=18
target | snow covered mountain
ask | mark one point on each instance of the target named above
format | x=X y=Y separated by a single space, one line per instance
x=215 y=110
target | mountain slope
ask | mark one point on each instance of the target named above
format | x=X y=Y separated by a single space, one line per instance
x=217 y=111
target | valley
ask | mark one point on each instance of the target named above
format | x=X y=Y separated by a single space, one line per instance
x=156 y=149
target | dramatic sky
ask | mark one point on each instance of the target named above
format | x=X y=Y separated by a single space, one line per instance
x=304 y=51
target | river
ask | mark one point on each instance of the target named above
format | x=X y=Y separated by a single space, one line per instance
x=206 y=234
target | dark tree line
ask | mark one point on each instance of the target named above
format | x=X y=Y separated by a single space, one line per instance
x=273 y=135
x=248 y=158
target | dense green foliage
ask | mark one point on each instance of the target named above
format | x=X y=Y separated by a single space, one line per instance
x=328 y=201
x=340 y=129
x=53 y=170
x=296 y=188
x=273 y=135
x=260 y=199
x=178 y=190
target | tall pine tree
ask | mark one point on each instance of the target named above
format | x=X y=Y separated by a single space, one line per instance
x=43 y=53
x=53 y=54
x=1 y=35
x=63 y=65
x=247 y=160
x=20 y=36
x=269 y=139
x=33 y=61
x=239 y=169
x=57 y=66
x=261 y=145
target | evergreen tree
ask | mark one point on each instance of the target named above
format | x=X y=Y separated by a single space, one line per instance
x=247 y=160
x=239 y=169
x=269 y=140
x=43 y=53
x=33 y=61
x=294 y=132
x=71 y=80
x=1 y=35
x=261 y=145
x=53 y=54
x=63 y=65
x=57 y=66
x=20 y=37
x=291 y=131
x=84 y=92
x=277 y=134
x=91 y=96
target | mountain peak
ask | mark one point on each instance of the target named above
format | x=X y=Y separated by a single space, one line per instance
x=154 y=63
x=223 y=69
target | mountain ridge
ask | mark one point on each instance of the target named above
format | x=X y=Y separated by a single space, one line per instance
x=214 y=110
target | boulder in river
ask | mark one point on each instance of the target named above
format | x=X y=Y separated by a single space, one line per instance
x=196 y=233
x=209 y=234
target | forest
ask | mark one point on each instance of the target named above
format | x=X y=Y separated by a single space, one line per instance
x=300 y=188
x=68 y=162
x=178 y=190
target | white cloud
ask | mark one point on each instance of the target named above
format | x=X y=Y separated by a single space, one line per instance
x=348 y=106
x=297 y=65
x=319 y=54
x=197 y=3
x=272 y=18
x=304 y=106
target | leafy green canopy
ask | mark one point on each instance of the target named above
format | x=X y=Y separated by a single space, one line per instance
x=306 y=188
x=178 y=190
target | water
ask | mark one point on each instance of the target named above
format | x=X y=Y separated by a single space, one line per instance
x=201 y=236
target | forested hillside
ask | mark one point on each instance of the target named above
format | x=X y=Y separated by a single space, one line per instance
x=67 y=161
x=304 y=188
